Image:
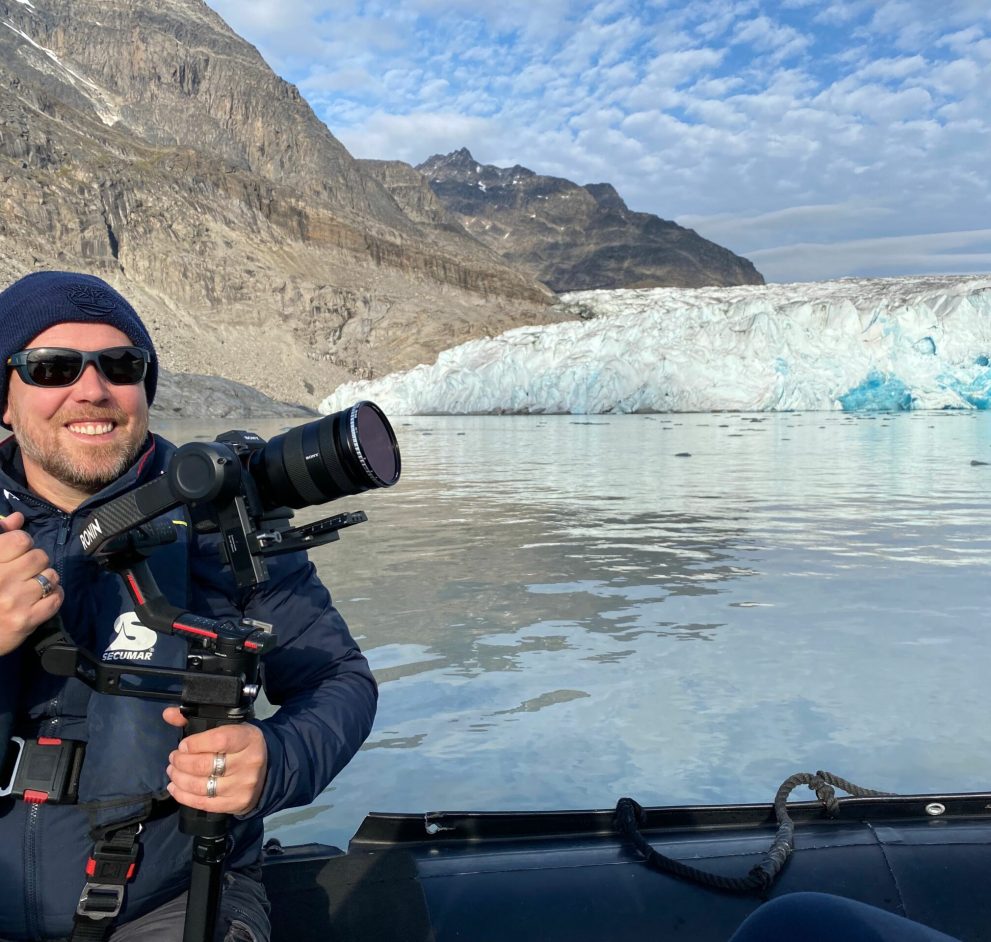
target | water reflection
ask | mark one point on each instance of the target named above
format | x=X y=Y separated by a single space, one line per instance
x=562 y=611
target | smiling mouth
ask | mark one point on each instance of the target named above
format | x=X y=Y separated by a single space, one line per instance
x=91 y=428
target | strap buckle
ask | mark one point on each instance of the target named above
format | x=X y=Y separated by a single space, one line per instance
x=44 y=770
x=112 y=862
x=100 y=901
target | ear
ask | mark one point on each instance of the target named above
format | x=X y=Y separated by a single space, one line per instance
x=7 y=397
x=7 y=408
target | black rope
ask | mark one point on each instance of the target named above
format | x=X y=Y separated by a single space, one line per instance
x=630 y=817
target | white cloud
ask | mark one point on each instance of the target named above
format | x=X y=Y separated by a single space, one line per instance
x=892 y=69
x=948 y=253
x=826 y=218
x=414 y=137
x=322 y=82
x=878 y=103
x=962 y=39
x=436 y=88
x=716 y=19
x=960 y=77
x=764 y=35
x=680 y=67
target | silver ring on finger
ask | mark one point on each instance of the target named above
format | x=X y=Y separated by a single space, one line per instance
x=47 y=586
x=211 y=787
x=219 y=764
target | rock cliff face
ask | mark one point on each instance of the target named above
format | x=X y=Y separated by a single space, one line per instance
x=576 y=238
x=147 y=143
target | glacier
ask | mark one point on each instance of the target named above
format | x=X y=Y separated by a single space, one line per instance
x=882 y=344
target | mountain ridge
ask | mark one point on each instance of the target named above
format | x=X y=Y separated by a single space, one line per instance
x=576 y=238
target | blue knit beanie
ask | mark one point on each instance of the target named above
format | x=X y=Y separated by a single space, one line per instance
x=46 y=298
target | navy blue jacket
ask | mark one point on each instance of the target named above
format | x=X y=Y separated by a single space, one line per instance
x=316 y=675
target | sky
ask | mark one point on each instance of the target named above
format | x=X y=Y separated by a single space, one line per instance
x=818 y=138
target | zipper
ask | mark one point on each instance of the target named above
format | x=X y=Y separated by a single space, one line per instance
x=32 y=836
x=32 y=908
x=64 y=529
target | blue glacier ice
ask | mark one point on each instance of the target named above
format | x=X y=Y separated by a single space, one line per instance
x=975 y=389
x=878 y=393
x=854 y=344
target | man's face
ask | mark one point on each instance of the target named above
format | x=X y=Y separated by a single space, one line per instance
x=75 y=440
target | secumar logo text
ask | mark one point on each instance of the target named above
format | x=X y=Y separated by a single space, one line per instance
x=132 y=640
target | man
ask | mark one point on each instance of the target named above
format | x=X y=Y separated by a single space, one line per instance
x=80 y=374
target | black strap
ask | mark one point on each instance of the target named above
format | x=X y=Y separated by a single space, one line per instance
x=113 y=862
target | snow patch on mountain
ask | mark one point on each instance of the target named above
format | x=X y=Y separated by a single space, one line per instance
x=52 y=64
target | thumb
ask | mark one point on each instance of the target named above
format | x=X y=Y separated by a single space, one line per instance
x=14 y=521
x=173 y=716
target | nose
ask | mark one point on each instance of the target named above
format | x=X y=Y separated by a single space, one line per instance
x=91 y=386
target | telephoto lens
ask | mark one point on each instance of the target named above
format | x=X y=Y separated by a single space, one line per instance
x=351 y=451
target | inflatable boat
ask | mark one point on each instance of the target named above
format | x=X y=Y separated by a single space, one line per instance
x=632 y=873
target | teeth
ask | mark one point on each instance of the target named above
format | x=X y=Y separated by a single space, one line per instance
x=92 y=428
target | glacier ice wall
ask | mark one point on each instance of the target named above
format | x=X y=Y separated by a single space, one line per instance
x=853 y=344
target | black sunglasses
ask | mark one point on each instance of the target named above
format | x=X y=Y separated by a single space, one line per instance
x=57 y=366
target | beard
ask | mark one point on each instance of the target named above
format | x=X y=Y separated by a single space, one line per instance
x=87 y=471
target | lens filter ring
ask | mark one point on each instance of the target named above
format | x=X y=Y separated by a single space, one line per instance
x=354 y=440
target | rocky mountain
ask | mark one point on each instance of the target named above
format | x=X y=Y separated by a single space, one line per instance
x=147 y=143
x=575 y=238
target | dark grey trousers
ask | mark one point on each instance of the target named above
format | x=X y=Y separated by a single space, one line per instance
x=243 y=916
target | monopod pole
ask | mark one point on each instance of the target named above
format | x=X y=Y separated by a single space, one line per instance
x=208 y=828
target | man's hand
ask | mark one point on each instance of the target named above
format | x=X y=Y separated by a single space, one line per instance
x=23 y=605
x=244 y=767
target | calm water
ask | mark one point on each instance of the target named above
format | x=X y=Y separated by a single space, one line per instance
x=564 y=610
